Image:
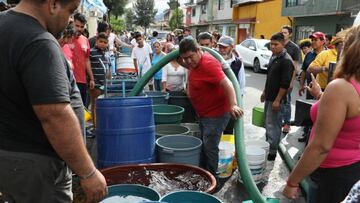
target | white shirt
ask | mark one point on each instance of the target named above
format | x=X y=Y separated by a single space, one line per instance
x=142 y=56
x=240 y=76
x=175 y=78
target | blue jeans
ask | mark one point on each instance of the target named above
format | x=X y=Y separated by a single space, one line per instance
x=272 y=126
x=157 y=84
x=286 y=108
x=211 y=130
x=113 y=64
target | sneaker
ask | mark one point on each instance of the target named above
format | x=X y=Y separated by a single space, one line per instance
x=271 y=157
x=286 y=128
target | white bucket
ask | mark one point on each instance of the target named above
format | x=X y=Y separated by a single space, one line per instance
x=259 y=143
x=256 y=161
x=226 y=156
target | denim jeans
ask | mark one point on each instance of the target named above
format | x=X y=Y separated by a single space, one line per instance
x=286 y=108
x=272 y=126
x=157 y=84
x=113 y=64
x=30 y=177
x=211 y=130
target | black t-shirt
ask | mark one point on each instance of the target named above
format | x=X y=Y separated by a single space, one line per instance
x=33 y=70
x=294 y=51
x=279 y=74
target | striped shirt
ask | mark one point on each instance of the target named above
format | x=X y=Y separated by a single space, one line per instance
x=97 y=68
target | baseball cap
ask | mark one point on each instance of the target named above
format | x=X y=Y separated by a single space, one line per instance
x=317 y=35
x=226 y=41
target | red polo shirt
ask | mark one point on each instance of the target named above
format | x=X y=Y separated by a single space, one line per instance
x=205 y=92
x=81 y=51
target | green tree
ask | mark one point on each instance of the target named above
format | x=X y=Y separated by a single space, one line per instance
x=129 y=19
x=176 y=20
x=117 y=24
x=116 y=7
x=144 y=13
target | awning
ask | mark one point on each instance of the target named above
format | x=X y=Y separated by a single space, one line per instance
x=95 y=4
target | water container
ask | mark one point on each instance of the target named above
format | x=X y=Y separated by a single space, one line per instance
x=170 y=129
x=190 y=197
x=256 y=161
x=124 y=124
x=130 y=193
x=158 y=97
x=226 y=156
x=258 y=116
x=181 y=99
x=167 y=114
x=181 y=149
x=259 y=143
x=194 y=129
x=125 y=64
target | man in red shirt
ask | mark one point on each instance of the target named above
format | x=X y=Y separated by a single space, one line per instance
x=212 y=96
x=81 y=53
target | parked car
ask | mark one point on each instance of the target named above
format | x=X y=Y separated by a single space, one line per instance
x=255 y=53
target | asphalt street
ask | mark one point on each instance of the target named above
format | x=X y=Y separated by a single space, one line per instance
x=276 y=172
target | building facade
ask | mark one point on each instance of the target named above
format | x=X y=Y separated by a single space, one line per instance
x=328 y=16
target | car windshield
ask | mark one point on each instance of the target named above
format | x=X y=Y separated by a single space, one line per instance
x=263 y=45
x=162 y=35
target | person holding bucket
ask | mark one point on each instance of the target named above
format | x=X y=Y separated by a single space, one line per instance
x=212 y=96
x=332 y=157
x=279 y=75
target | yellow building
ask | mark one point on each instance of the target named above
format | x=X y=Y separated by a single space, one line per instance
x=255 y=18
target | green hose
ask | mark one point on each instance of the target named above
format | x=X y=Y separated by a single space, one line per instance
x=246 y=176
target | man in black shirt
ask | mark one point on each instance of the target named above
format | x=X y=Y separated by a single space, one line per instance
x=40 y=109
x=294 y=51
x=278 y=80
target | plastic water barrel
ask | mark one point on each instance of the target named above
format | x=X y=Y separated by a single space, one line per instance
x=183 y=149
x=158 y=97
x=189 y=197
x=170 y=129
x=125 y=131
x=181 y=99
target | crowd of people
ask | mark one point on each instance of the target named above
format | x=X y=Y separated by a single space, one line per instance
x=51 y=66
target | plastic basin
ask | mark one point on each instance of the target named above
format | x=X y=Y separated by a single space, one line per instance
x=130 y=193
x=189 y=197
x=167 y=114
x=170 y=129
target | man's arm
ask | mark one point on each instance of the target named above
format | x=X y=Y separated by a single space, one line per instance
x=318 y=65
x=235 y=110
x=62 y=129
x=136 y=65
x=89 y=73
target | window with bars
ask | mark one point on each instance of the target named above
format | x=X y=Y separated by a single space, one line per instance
x=290 y=3
x=203 y=9
x=221 y=4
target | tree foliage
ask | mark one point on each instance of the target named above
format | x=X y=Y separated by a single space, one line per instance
x=176 y=20
x=117 y=24
x=144 y=12
x=129 y=19
x=116 y=7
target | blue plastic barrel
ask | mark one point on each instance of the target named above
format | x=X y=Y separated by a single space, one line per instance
x=125 y=131
x=190 y=197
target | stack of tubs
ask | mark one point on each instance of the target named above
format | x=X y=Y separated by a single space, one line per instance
x=256 y=152
x=181 y=99
x=124 y=124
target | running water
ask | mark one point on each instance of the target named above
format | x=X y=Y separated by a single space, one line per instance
x=124 y=199
x=165 y=181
